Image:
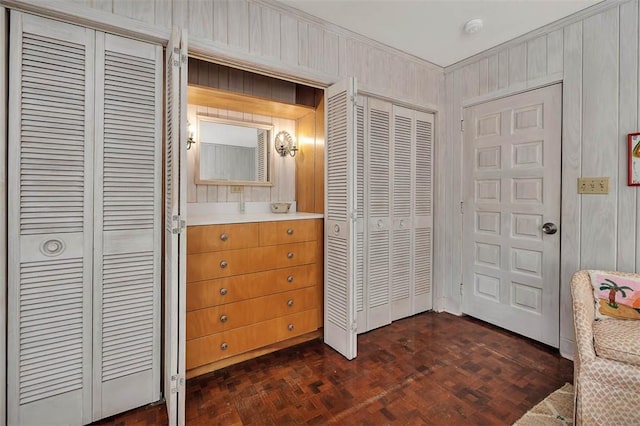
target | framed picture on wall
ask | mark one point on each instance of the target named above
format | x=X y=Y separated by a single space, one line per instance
x=633 y=151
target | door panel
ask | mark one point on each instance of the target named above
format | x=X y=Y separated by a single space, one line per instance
x=512 y=163
x=50 y=254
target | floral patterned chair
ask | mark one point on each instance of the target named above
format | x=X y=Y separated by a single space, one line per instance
x=607 y=362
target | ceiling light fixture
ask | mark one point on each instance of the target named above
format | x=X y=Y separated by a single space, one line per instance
x=473 y=26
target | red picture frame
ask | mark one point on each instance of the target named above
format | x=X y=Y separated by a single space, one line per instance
x=633 y=153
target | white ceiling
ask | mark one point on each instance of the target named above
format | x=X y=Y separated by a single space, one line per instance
x=433 y=29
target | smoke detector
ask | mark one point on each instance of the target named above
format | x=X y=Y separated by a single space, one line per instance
x=473 y=26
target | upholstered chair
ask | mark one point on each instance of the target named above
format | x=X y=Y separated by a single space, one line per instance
x=607 y=361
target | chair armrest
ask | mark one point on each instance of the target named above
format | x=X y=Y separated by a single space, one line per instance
x=583 y=315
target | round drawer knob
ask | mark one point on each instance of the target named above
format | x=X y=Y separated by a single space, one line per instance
x=290 y=278
x=224 y=237
x=223 y=264
x=224 y=346
x=290 y=302
x=223 y=318
x=290 y=255
x=290 y=327
x=290 y=231
x=223 y=291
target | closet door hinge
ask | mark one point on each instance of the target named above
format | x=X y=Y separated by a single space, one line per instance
x=461 y=289
x=461 y=207
x=178 y=224
x=462 y=126
x=177 y=383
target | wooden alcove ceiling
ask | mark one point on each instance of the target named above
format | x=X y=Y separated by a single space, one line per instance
x=223 y=99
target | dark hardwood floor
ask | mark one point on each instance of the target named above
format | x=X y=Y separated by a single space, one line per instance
x=432 y=368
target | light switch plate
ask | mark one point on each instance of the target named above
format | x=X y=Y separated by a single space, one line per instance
x=593 y=185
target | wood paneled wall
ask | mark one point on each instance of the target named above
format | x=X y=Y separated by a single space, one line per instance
x=595 y=55
x=265 y=35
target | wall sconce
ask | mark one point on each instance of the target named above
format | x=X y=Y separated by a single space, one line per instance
x=285 y=145
x=190 y=135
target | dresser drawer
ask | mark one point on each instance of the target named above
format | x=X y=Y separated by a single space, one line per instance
x=239 y=314
x=206 y=238
x=233 y=342
x=289 y=231
x=206 y=266
x=204 y=294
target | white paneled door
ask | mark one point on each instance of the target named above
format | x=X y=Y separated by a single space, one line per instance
x=511 y=210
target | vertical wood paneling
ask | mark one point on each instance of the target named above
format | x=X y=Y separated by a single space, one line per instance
x=483 y=76
x=270 y=21
x=220 y=24
x=104 y=5
x=331 y=53
x=571 y=166
x=303 y=44
x=554 y=52
x=517 y=64
x=316 y=47
x=626 y=250
x=289 y=40
x=200 y=22
x=140 y=10
x=503 y=69
x=492 y=73
x=537 y=58
x=238 y=33
x=255 y=28
x=4 y=59
x=599 y=137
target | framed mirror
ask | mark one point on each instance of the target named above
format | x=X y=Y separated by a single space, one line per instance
x=232 y=152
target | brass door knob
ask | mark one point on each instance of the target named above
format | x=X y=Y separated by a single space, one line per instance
x=290 y=255
x=290 y=231
x=224 y=264
x=224 y=346
x=223 y=318
x=290 y=327
x=290 y=303
x=290 y=278
x=223 y=291
x=224 y=237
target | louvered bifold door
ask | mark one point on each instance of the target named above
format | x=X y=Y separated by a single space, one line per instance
x=174 y=216
x=423 y=213
x=378 y=207
x=403 y=135
x=50 y=216
x=361 y=312
x=128 y=162
x=339 y=289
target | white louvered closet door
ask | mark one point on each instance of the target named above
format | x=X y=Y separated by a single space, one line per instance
x=361 y=296
x=339 y=288
x=127 y=236
x=50 y=216
x=175 y=215
x=378 y=209
x=403 y=151
x=423 y=213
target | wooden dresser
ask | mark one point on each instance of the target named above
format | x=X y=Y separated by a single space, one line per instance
x=252 y=288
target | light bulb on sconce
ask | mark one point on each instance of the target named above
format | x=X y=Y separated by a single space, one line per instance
x=190 y=135
x=285 y=144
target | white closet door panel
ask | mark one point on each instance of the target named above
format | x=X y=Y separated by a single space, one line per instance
x=361 y=314
x=127 y=225
x=50 y=153
x=378 y=206
x=423 y=216
x=175 y=214
x=340 y=235
x=403 y=134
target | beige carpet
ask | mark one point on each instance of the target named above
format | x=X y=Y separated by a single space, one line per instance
x=555 y=409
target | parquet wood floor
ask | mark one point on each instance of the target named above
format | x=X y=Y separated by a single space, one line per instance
x=434 y=369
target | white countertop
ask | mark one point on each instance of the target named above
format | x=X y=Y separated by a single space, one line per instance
x=220 y=213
